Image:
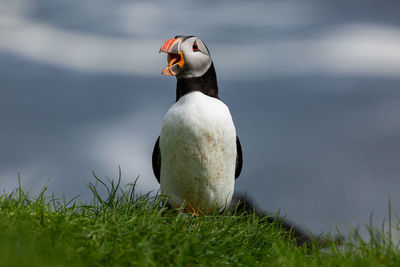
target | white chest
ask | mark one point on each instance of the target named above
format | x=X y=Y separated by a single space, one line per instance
x=198 y=153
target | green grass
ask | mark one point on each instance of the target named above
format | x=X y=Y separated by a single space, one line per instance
x=123 y=229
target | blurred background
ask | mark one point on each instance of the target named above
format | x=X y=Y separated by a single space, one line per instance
x=313 y=87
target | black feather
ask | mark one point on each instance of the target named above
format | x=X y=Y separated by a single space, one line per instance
x=156 y=160
x=239 y=158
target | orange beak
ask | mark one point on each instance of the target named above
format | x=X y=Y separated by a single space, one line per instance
x=175 y=56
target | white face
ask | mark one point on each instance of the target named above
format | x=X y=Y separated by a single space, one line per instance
x=196 y=57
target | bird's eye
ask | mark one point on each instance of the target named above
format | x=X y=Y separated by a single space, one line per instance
x=195 y=47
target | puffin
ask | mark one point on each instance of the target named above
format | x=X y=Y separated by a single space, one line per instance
x=198 y=156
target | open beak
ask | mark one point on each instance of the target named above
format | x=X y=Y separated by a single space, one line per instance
x=175 y=57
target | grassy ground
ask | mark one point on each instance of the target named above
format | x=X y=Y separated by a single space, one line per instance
x=123 y=229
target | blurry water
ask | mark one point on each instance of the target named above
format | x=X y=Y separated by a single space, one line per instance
x=313 y=88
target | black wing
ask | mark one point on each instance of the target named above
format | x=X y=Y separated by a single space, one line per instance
x=156 y=159
x=239 y=158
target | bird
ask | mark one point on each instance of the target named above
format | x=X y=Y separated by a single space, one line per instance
x=197 y=156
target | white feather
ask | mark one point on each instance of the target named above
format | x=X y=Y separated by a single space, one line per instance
x=198 y=153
